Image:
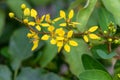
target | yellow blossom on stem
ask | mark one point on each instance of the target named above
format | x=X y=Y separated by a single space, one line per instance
x=68 y=19
x=88 y=34
x=35 y=38
x=48 y=20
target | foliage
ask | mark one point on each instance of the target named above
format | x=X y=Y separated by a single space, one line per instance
x=59 y=40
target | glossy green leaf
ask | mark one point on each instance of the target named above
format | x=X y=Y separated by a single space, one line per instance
x=73 y=58
x=84 y=14
x=5 y=73
x=113 y=7
x=47 y=54
x=20 y=47
x=14 y=5
x=90 y=63
x=94 y=75
x=105 y=18
x=105 y=55
x=2 y=20
x=36 y=74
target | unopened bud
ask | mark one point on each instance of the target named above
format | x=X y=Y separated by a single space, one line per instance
x=11 y=15
x=23 y=6
x=25 y=21
x=110 y=39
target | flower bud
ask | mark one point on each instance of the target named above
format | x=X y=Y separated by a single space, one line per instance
x=11 y=15
x=23 y=6
x=110 y=39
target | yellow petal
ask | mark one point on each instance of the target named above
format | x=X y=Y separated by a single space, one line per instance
x=35 y=44
x=71 y=14
x=73 y=43
x=62 y=14
x=92 y=29
x=29 y=35
x=42 y=18
x=67 y=48
x=31 y=23
x=75 y=22
x=53 y=41
x=57 y=19
x=60 y=32
x=47 y=18
x=33 y=13
x=45 y=37
x=59 y=38
x=85 y=38
x=69 y=34
x=59 y=48
x=94 y=36
x=63 y=24
x=51 y=28
x=38 y=28
x=45 y=24
x=60 y=43
x=26 y=12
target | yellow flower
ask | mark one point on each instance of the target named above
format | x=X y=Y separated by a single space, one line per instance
x=35 y=40
x=38 y=21
x=68 y=19
x=48 y=20
x=34 y=13
x=60 y=32
x=26 y=12
x=45 y=37
x=89 y=34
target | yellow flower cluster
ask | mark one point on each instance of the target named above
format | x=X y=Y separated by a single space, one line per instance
x=61 y=36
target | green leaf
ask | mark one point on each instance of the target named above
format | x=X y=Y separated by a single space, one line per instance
x=20 y=47
x=84 y=14
x=78 y=3
x=47 y=54
x=73 y=58
x=5 y=73
x=105 y=18
x=2 y=20
x=96 y=47
x=116 y=70
x=5 y=52
x=94 y=75
x=90 y=63
x=104 y=55
x=14 y=5
x=36 y=74
x=113 y=7
x=40 y=2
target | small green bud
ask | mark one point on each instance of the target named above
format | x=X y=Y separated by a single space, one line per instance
x=114 y=30
x=105 y=32
x=116 y=41
x=110 y=39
